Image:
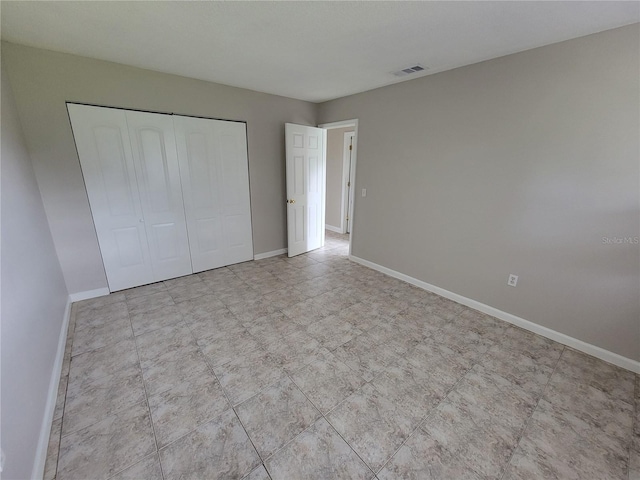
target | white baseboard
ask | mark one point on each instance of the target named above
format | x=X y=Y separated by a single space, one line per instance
x=598 y=352
x=52 y=397
x=274 y=253
x=98 y=292
x=331 y=228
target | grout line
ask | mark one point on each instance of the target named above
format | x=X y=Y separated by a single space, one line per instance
x=526 y=425
x=444 y=398
x=262 y=347
x=146 y=397
x=324 y=416
x=211 y=368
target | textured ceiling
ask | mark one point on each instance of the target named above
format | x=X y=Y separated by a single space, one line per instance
x=314 y=51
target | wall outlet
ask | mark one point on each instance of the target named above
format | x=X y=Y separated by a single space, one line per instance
x=513 y=280
x=364 y=192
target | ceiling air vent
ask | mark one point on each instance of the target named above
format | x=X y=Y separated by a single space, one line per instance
x=409 y=70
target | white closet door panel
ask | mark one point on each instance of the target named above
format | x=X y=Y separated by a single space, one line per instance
x=155 y=159
x=102 y=140
x=213 y=165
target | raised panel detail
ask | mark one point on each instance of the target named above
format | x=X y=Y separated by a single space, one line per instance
x=127 y=243
x=235 y=227
x=208 y=234
x=298 y=140
x=200 y=173
x=313 y=220
x=313 y=142
x=113 y=170
x=230 y=169
x=154 y=164
x=298 y=227
x=166 y=240
x=314 y=177
x=298 y=175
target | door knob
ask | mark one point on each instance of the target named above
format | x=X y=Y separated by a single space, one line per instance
x=291 y=201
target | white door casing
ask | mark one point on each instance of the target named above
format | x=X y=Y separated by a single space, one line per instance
x=306 y=182
x=347 y=190
x=212 y=155
x=102 y=140
x=154 y=153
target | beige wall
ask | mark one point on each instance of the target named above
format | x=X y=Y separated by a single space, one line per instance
x=335 y=154
x=33 y=300
x=44 y=80
x=521 y=165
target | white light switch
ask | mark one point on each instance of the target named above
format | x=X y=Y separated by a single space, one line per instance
x=364 y=192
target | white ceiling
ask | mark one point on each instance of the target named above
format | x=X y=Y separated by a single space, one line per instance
x=313 y=51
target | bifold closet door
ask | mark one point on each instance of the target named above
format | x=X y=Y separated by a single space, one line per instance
x=154 y=154
x=102 y=140
x=215 y=180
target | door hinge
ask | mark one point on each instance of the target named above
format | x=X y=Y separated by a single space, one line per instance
x=350 y=147
x=348 y=184
x=347 y=218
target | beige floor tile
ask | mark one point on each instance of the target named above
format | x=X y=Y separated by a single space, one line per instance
x=105 y=448
x=276 y=415
x=471 y=438
x=363 y=356
x=271 y=328
x=258 y=474
x=327 y=381
x=228 y=346
x=559 y=445
x=541 y=350
x=184 y=292
x=99 y=302
x=331 y=332
x=104 y=361
x=148 y=321
x=164 y=372
x=295 y=351
x=96 y=317
x=144 y=290
x=91 y=338
x=146 y=469
x=90 y=401
x=246 y=375
x=287 y=338
x=372 y=425
x=173 y=341
x=150 y=302
x=416 y=390
x=189 y=403
x=318 y=453
x=423 y=458
x=219 y=449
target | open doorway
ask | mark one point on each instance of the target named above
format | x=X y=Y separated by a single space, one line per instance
x=340 y=179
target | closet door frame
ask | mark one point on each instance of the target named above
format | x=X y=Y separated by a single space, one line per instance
x=132 y=280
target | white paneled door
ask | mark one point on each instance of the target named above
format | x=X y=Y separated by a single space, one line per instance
x=102 y=140
x=306 y=169
x=168 y=199
x=215 y=178
x=154 y=154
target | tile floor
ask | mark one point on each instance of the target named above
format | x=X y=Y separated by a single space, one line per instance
x=315 y=367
